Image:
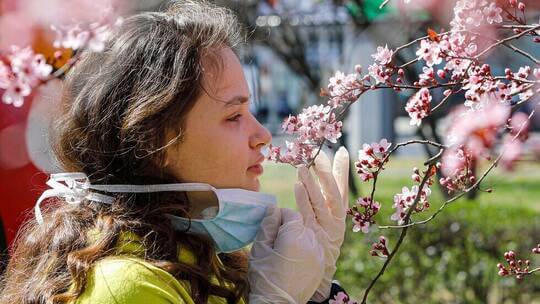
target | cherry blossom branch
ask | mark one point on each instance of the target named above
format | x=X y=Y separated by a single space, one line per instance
x=510 y=38
x=461 y=194
x=401 y=237
x=66 y=67
x=508 y=45
x=446 y=203
x=394 y=149
x=517 y=267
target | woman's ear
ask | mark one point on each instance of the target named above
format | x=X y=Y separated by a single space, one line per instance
x=172 y=141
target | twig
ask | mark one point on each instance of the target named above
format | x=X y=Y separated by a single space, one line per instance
x=475 y=185
x=516 y=36
x=401 y=237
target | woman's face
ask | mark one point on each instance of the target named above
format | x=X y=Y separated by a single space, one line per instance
x=222 y=139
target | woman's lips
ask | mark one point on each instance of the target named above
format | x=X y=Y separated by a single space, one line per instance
x=258 y=169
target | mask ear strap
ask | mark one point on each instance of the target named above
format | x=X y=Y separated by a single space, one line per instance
x=76 y=187
x=154 y=188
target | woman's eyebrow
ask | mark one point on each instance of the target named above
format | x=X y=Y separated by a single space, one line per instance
x=237 y=100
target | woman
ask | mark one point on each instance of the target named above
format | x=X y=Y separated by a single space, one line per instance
x=166 y=103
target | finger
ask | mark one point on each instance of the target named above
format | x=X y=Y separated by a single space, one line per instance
x=304 y=206
x=294 y=239
x=340 y=171
x=268 y=232
x=322 y=213
x=288 y=216
x=330 y=189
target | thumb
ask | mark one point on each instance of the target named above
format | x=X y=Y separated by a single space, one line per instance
x=341 y=174
x=267 y=234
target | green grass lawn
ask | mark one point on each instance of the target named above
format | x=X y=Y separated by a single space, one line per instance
x=451 y=259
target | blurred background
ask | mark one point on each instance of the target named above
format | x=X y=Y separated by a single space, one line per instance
x=292 y=49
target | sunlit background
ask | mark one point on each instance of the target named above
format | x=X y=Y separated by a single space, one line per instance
x=292 y=49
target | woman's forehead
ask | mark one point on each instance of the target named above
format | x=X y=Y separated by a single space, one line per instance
x=225 y=82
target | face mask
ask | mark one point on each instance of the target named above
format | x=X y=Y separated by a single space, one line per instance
x=232 y=226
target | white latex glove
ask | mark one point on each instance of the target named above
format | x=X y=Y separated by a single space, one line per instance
x=285 y=261
x=326 y=212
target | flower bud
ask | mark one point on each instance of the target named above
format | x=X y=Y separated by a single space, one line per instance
x=521 y=6
x=447 y=92
x=58 y=54
x=441 y=74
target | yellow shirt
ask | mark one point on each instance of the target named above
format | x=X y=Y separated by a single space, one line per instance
x=125 y=278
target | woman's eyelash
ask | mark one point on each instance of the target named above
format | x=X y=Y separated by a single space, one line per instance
x=235 y=118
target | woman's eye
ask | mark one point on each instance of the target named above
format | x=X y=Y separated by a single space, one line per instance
x=235 y=117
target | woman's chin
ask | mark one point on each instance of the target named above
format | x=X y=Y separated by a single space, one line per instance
x=254 y=185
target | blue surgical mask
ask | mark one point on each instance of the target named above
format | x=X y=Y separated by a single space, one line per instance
x=232 y=225
x=235 y=223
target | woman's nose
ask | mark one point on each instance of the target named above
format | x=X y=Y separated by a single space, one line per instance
x=261 y=136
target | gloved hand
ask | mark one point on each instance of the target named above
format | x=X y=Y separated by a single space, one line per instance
x=326 y=212
x=285 y=261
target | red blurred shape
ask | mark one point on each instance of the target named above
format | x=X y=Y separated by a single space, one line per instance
x=272 y=3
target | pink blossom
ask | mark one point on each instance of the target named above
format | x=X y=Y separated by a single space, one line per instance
x=15 y=92
x=511 y=152
x=380 y=248
x=290 y=125
x=474 y=18
x=427 y=76
x=383 y=55
x=404 y=200
x=376 y=71
x=371 y=158
x=493 y=13
x=313 y=126
x=536 y=73
x=472 y=13
x=274 y=153
x=523 y=72
x=28 y=66
x=430 y=52
x=4 y=75
x=477 y=129
x=457 y=166
x=25 y=71
x=471 y=49
x=519 y=125
x=362 y=219
x=516 y=267
x=481 y=87
x=316 y=123
x=418 y=106
x=296 y=153
x=343 y=88
x=91 y=36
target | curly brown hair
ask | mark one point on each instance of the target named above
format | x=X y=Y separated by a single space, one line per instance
x=117 y=108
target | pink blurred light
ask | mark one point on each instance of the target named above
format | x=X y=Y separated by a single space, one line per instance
x=13 y=152
x=15 y=29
